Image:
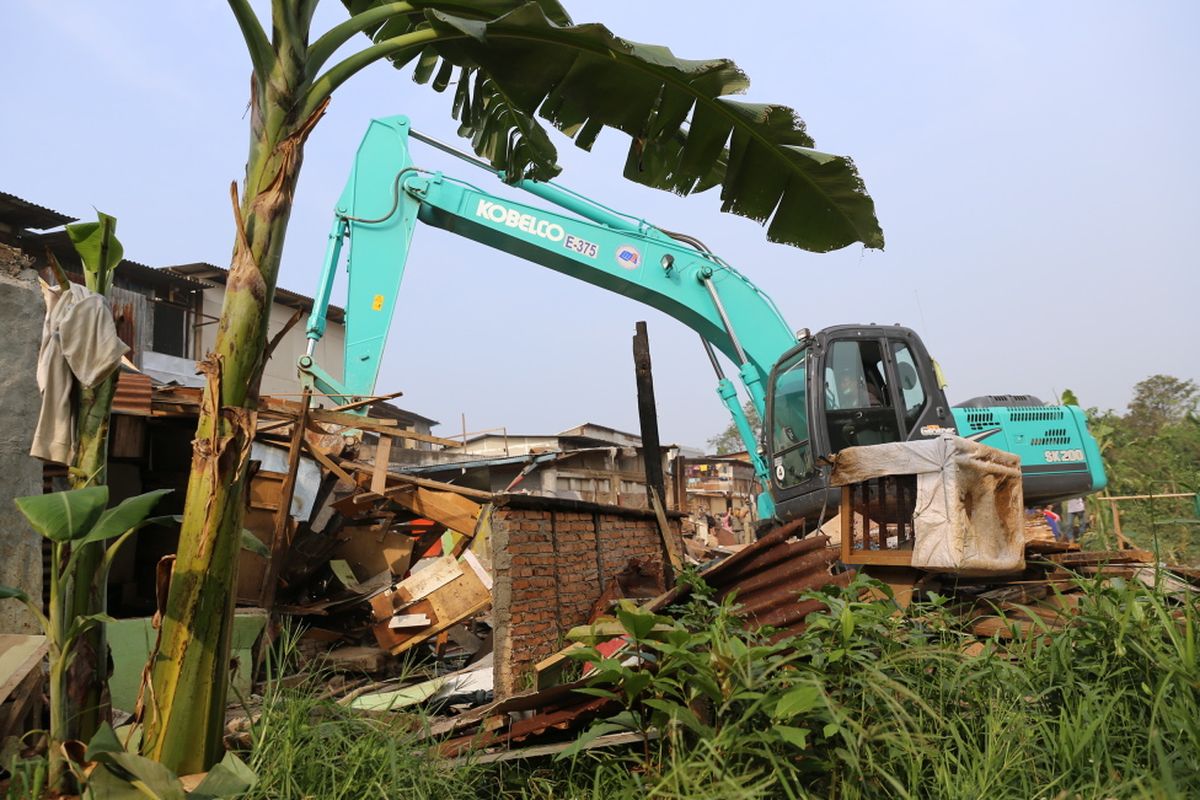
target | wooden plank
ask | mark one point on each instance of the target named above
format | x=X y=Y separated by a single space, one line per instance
x=1005 y=628
x=847 y=519
x=440 y=626
x=409 y=481
x=892 y=558
x=320 y=455
x=456 y=512
x=281 y=540
x=673 y=545
x=445 y=606
x=357 y=421
x=384 y=427
x=535 y=751
x=383 y=454
x=1096 y=557
x=375 y=548
x=648 y=413
x=265 y=490
x=25 y=703
x=464 y=491
x=428 y=580
x=366 y=401
x=1051 y=616
x=355 y=659
x=19 y=655
x=458 y=598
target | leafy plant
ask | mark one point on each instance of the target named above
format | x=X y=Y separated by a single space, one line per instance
x=71 y=520
x=100 y=253
x=875 y=701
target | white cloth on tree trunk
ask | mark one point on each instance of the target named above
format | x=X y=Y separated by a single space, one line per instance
x=79 y=345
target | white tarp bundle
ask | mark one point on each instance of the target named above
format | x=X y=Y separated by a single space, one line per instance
x=969 y=514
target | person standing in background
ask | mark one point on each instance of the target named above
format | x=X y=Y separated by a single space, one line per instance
x=1076 y=525
x=1052 y=520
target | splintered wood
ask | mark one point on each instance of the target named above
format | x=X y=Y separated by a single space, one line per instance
x=442 y=594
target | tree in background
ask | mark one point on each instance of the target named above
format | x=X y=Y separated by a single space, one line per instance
x=1154 y=448
x=729 y=440
x=509 y=62
x=1160 y=401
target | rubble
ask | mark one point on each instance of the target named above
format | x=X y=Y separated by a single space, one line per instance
x=414 y=592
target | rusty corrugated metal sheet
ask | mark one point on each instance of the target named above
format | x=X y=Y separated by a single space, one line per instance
x=770 y=575
x=133 y=395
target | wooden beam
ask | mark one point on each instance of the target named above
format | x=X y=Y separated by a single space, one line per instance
x=320 y=455
x=1148 y=496
x=412 y=480
x=352 y=420
x=366 y=401
x=673 y=546
x=281 y=541
x=384 y=427
x=647 y=412
x=383 y=454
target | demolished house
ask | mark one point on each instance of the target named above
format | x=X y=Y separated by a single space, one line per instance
x=381 y=536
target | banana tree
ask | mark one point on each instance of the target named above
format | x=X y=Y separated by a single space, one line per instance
x=510 y=61
x=72 y=521
x=99 y=252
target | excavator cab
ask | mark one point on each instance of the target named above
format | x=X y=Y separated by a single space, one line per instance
x=845 y=386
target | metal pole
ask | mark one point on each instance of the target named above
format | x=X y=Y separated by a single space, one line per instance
x=712 y=357
x=451 y=150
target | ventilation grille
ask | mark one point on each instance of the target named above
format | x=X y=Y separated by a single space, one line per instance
x=981 y=420
x=1051 y=438
x=1037 y=415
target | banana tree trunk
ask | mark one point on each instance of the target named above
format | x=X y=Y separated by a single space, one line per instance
x=88 y=703
x=185 y=703
x=60 y=714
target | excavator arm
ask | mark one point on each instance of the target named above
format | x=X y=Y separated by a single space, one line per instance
x=387 y=194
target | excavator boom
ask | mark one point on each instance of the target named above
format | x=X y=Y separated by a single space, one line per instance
x=386 y=195
x=844 y=386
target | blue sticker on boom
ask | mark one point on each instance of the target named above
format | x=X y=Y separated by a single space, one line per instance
x=628 y=257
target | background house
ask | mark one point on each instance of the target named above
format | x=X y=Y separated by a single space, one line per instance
x=589 y=462
x=279 y=376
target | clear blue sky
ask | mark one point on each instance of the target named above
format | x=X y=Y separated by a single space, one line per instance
x=1034 y=166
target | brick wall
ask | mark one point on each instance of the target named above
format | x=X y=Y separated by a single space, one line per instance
x=549 y=566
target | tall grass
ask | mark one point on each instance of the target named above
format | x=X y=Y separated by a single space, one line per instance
x=306 y=745
x=1108 y=707
x=870 y=701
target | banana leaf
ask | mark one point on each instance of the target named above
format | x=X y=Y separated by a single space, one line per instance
x=512 y=63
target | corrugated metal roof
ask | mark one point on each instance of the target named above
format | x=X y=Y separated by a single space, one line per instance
x=393 y=411
x=134 y=394
x=21 y=213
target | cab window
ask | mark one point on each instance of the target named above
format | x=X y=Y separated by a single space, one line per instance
x=855 y=376
x=858 y=399
x=791 y=449
x=912 y=393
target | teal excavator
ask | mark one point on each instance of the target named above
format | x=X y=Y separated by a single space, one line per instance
x=842 y=386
